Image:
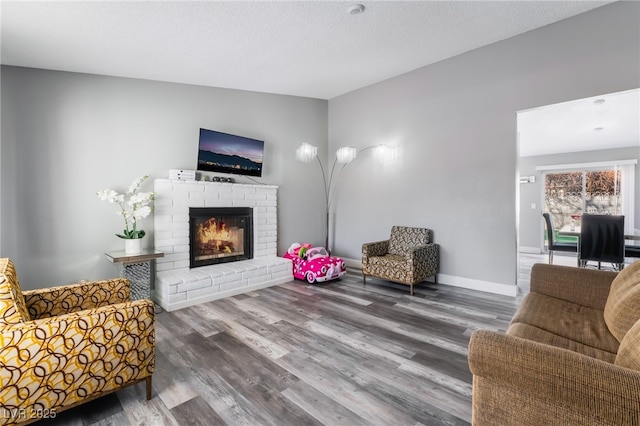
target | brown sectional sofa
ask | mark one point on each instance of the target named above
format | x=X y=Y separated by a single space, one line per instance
x=571 y=354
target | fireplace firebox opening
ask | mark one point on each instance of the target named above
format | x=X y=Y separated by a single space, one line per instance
x=219 y=235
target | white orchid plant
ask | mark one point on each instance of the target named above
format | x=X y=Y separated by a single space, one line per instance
x=136 y=207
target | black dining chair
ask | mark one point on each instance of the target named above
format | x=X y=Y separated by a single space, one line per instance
x=631 y=251
x=602 y=240
x=552 y=244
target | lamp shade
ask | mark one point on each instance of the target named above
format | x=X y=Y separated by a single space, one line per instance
x=306 y=152
x=345 y=154
x=384 y=153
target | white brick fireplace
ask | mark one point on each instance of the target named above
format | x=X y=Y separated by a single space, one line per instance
x=178 y=286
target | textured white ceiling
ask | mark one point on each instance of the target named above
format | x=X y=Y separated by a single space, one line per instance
x=304 y=48
x=571 y=126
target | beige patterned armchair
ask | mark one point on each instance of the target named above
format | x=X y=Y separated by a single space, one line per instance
x=408 y=257
x=62 y=346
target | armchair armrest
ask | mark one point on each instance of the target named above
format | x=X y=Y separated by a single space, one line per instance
x=428 y=251
x=377 y=248
x=424 y=260
x=56 y=362
x=587 y=287
x=555 y=380
x=53 y=301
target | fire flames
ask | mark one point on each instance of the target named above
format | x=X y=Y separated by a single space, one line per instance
x=214 y=236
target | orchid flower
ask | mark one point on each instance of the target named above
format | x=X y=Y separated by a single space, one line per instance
x=135 y=208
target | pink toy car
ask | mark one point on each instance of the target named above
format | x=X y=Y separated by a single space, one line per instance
x=314 y=263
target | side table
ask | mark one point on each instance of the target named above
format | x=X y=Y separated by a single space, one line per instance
x=139 y=269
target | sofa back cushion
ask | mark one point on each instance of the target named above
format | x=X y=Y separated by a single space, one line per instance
x=628 y=353
x=404 y=238
x=13 y=309
x=622 y=309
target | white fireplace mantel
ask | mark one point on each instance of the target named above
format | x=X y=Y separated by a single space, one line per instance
x=178 y=286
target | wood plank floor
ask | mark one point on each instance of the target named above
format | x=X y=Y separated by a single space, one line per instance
x=296 y=354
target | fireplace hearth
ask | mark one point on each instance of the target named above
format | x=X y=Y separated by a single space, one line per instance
x=220 y=235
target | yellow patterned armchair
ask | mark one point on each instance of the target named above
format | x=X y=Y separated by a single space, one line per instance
x=62 y=346
x=408 y=257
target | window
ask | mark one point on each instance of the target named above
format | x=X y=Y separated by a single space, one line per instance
x=596 y=188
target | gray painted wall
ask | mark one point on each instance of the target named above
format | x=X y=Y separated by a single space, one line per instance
x=531 y=222
x=455 y=125
x=66 y=135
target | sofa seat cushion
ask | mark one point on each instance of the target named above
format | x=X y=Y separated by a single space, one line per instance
x=539 y=335
x=577 y=327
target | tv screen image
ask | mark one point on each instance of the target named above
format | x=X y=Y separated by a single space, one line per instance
x=225 y=153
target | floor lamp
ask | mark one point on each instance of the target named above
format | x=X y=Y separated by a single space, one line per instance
x=344 y=155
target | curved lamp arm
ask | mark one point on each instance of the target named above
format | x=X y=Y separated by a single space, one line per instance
x=344 y=165
x=345 y=155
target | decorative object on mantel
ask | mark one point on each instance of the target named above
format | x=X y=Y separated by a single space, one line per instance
x=179 y=174
x=222 y=179
x=136 y=207
x=344 y=155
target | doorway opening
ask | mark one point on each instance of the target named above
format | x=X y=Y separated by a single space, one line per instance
x=577 y=157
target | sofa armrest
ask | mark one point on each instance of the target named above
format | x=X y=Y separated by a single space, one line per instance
x=586 y=287
x=56 y=362
x=377 y=248
x=54 y=301
x=540 y=375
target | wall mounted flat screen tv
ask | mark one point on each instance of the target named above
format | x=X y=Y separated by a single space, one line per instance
x=225 y=153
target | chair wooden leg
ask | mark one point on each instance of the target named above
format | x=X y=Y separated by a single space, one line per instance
x=148 y=382
x=364 y=279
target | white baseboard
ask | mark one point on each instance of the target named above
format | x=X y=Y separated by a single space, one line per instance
x=532 y=250
x=472 y=284
x=353 y=263
x=454 y=281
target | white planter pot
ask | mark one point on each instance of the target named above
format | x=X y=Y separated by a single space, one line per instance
x=133 y=246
